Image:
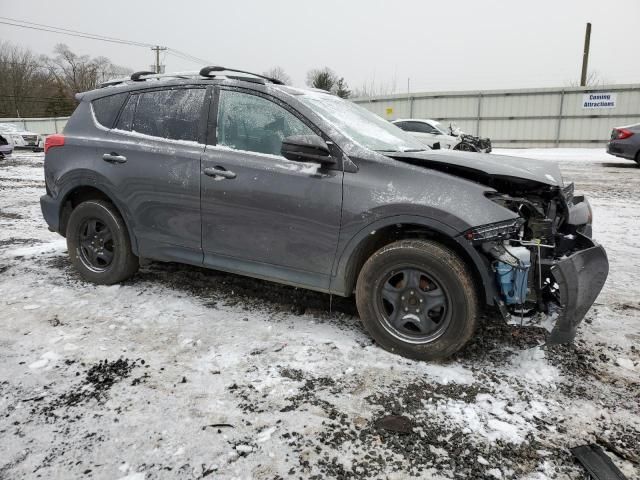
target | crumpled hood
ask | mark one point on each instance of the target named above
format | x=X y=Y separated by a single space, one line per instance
x=487 y=168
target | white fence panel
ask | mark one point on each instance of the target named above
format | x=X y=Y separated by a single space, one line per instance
x=43 y=126
x=543 y=117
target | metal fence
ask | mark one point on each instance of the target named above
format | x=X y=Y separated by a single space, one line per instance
x=43 y=126
x=543 y=117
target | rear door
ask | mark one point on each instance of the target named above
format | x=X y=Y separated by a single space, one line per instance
x=262 y=214
x=152 y=157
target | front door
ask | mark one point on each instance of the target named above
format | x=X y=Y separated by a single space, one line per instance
x=262 y=214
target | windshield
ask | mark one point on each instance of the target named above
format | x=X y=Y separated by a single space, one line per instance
x=360 y=125
x=440 y=127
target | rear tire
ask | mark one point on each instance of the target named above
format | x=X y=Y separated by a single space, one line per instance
x=98 y=243
x=417 y=298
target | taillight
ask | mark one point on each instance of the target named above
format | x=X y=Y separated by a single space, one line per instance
x=56 y=140
x=622 y=133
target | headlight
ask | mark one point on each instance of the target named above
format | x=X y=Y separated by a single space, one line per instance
x=495 y=231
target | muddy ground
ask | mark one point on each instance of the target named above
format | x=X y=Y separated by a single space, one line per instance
x=183 y=372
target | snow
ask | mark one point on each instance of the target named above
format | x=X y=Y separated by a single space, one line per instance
x=134 y=476
x=292 y=385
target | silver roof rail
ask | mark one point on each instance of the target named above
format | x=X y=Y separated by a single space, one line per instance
x=145 y=75
x=205 y=72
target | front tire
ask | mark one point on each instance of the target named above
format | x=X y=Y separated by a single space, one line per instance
x=465 y=147
x=98 y=243
x=417 y=298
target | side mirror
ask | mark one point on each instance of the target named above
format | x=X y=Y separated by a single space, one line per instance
x=435 y=146
x=307 y=148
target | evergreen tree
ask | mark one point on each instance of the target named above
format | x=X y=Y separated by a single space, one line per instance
x=342 y=89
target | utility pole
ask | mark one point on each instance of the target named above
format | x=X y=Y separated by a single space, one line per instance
x=585 y=56
x=158 y=49
x=409 y=99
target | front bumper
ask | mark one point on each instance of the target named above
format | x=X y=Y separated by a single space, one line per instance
x=580 y=278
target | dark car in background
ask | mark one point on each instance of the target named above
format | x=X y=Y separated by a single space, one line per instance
x=6 y=148
x=237 y=172
x=625 y=142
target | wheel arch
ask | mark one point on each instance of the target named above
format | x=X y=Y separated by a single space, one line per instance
x=77 y=194
x=384 y=232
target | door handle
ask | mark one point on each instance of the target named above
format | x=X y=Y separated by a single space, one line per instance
x=113 y=158
x=219 y=172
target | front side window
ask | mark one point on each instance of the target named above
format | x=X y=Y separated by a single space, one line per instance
x=255 y=124
x=170 y=114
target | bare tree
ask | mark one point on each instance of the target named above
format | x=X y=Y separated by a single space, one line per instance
x=373 y=89
x=20 y=72
x=279 y=74
x=594 y=79
x=34 y=85
x=79 y=73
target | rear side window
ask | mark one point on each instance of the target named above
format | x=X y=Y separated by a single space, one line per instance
x=420 y=127
x=172 y=114
x=106 y=108
x=126 y=117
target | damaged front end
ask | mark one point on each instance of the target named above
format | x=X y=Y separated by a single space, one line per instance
x=547 y=269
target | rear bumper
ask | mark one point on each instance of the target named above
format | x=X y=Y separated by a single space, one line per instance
x=580 y=278
x=51 y=212
x=622 y=149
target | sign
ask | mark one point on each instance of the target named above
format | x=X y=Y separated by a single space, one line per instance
x=599 y=100
x=389 y=111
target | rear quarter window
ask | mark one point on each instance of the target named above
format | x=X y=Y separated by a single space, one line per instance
x=106 y=109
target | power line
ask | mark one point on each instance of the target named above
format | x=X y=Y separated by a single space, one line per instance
x=192 y=58
x=76 y=33
x=73 y=33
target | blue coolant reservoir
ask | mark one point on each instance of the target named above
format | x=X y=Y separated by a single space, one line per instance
x=513 y=274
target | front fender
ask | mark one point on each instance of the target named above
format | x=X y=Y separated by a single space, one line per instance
x=341 y=282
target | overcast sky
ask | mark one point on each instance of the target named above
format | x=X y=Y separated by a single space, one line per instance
x=456 y=45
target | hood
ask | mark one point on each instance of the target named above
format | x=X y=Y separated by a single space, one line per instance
x=493 y=170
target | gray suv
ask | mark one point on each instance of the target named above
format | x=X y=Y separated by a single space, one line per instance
x=237 y=172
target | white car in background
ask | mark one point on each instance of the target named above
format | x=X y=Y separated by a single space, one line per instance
x=18 y=137
x=428 y=132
